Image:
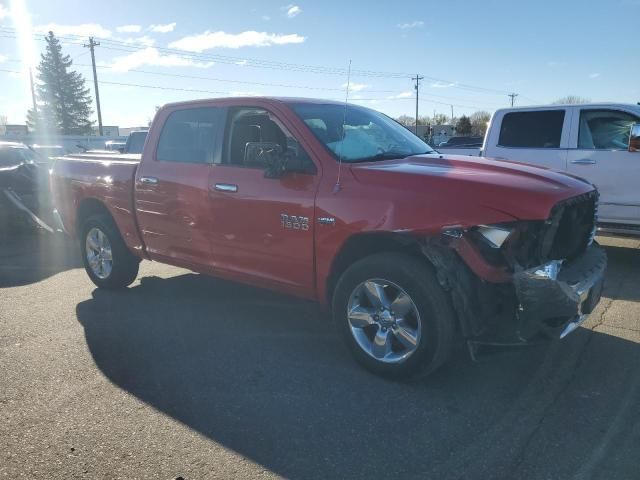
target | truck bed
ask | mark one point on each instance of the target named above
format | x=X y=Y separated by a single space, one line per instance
x=78 y=180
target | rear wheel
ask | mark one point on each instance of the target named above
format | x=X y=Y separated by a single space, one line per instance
x=106 y=258
x=394 y=315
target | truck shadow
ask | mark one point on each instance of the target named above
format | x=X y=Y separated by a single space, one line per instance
x=32 y=256
x=624 y=263
x=266 y=376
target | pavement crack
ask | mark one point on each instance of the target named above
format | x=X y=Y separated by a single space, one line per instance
x=519 y=460
x=605 y=310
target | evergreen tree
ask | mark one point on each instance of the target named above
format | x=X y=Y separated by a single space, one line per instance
x=463 y=127
x=64 y=104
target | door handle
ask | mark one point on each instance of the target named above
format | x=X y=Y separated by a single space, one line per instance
x=149 y=180
x=226 y=187
x=584 y=161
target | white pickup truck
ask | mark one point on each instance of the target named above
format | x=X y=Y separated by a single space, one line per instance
x=598 y=142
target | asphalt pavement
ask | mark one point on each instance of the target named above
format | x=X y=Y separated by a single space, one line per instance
x=187 y=376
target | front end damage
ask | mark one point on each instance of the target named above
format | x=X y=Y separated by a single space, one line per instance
x=557 y=298
x=513 y=284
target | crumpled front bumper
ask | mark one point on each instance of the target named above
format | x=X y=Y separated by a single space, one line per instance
x=555 y=298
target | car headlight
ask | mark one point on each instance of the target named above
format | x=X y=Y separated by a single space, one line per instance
x=496 y=235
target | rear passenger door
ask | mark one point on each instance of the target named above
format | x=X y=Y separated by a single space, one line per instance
x=600 y=137
x=539 y=137
x=172 y=186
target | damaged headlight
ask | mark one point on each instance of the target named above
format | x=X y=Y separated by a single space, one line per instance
x=495 y=235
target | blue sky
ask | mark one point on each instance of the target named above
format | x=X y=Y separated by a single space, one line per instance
x=472 y=53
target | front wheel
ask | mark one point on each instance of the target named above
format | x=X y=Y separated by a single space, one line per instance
x=395 y=317
x=106 y=258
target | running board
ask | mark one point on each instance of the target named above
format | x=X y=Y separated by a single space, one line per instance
x=17 y=202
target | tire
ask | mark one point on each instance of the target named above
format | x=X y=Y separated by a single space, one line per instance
x=122 y=268
x=416 y=342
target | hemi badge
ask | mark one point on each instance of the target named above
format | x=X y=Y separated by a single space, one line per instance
x=326 y=220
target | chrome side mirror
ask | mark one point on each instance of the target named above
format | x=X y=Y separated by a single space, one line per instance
x=634 y=138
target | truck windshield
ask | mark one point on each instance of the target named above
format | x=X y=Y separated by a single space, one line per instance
x=367 y=135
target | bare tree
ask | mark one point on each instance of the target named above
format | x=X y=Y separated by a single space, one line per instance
x=440 y=119
x=479 y=123
x=406 y=120
x=571 y=100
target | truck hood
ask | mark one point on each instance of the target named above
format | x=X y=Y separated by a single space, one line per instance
x=521 y=191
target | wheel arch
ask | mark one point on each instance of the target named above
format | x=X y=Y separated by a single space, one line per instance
x=362 y=245
x=87 y=208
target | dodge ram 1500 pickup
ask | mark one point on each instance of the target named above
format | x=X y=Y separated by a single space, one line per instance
x=410 y=249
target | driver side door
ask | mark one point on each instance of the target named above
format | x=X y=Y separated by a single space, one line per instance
x=262 y=228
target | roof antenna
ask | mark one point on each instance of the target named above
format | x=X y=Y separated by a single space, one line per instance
x=337 y=186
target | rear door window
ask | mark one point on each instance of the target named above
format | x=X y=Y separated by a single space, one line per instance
x=540 y=129
x=191 y=135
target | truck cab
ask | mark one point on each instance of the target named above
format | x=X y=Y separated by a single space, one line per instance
x=591 y=141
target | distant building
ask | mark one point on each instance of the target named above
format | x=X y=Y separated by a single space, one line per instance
x=13 y=130
x=107 y=131
x=434 y=134
x=124 y=132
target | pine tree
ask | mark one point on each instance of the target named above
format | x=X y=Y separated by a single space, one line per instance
x=64 y=104
x=463 y=127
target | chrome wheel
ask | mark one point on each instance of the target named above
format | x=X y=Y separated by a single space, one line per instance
x=98 y=251
x=384 y=320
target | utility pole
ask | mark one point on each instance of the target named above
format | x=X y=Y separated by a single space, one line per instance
x=513 y=97
x=451 y=114
x=91 y=45
x=417 y=79
x=33 y=93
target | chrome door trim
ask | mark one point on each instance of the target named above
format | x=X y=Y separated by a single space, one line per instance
x=149 y=180
x=584 y=161
x=225 y=187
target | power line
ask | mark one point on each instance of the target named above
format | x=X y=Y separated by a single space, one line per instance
x=219 y=92
x=158 y=87
x=269 y=64
x=268 y=84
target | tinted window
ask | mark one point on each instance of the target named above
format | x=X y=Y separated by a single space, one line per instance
x=605 y=129
x=258 y=126
x=135 y=143
x=532 y=129
x=190 y=135
x=11 y=157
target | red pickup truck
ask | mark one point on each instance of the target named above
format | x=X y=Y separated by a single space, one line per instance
x=412 y=250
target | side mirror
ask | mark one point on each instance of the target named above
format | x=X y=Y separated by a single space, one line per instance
x=634 y=138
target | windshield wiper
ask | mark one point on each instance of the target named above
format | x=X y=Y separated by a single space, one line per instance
x=389 y=156
x=383 y=156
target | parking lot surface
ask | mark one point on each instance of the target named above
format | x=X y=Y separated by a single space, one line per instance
x=184 y=375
